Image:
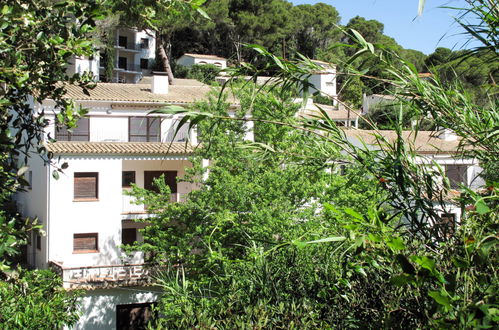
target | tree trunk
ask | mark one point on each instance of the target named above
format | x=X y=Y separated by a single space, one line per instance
x=165 y=61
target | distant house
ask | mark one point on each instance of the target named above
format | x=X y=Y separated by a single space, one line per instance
x=371 y=101
x=433 y=148
x=189 y=59
x=340 y=115
x=324 y=80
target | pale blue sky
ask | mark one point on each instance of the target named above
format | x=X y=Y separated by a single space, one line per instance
x=401 y=21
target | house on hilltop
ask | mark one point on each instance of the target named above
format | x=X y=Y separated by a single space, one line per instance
x=189 y=59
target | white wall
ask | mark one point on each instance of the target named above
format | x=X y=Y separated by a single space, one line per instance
x=325 y=83
x=33 y=203
x=69 y=217
x=81 y=65
x=189 y=61
x=109 y=128
x=98 y=307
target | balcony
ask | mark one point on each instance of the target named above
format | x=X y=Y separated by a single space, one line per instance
x=129 y=67
x=94 y=277
x=130 y=46
x=129 y=205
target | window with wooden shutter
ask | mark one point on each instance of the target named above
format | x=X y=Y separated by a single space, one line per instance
x=144 y=129
x=86 y=185
x=170 y=178
x=86 y=243
x=79 y=133
x=128 y=236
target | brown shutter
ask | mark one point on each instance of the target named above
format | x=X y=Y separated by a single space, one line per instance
x=170 y=180
x=128 y=236
x=85 y=242
x=86 y=185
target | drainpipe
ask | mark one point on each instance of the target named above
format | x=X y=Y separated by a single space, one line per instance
x=47 y=219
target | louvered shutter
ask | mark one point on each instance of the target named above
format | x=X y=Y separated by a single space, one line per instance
x=85 y=242
x=85 y=185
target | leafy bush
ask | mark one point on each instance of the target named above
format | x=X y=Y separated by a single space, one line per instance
x=205 y=73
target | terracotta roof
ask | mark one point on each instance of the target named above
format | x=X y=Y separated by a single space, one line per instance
x=147 y=80
x=120 y=148
x=211 y=57
x=139 y=93
x=424 y=142
x=332 y=112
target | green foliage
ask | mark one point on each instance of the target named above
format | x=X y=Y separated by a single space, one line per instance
x=36 y=300
x=205 y=73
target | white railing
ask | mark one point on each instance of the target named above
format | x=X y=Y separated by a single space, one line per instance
x=129 y=205
x=104 y=276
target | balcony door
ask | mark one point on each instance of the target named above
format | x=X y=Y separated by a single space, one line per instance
x=170 y=180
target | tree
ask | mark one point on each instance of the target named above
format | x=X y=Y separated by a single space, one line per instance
x=37 y=40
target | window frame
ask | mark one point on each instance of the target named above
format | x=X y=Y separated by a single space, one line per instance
x=67 y=135
x=123 y=185
x=86 y=235
x=147 y=135
x=86 y=174
x=144 y=43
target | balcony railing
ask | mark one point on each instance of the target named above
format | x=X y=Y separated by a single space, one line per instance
x=130 y=67
x=130 y=207
x=105 y=276
x=130 y=46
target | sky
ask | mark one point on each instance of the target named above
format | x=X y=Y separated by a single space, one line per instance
x=435 y=28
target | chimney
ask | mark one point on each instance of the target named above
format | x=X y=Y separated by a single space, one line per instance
x=447 y=135
x=159 y=83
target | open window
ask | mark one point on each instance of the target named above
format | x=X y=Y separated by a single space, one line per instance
x=170 y=178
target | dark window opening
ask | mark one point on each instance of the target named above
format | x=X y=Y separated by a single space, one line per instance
x=170 y=178
x=128 y=236
x=144 y=43
x=79 y=133
x=457 y=175
x=127 y=178
x=86 y=185
x=122 y=41
x=133 y=316
x=122 y=62
x=144 y=63
x=86 y=243
x=38 y=242
x=144 y=129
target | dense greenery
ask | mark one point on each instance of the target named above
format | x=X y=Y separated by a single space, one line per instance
x=271 y=240
x=37 y=40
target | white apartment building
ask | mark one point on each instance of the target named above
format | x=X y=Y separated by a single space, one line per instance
x=134 y=56
x=86 y=214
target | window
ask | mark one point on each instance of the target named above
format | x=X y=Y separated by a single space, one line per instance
x=170 y=180
x=133 y=316
x=38 y=242
x=122 y=61
x=144 y=129
x=203 y=62
x=122 y=41
x=144 y=43
x=457 y=175
x=86 y=186
x=447 y=224
x=218 y=64
x=80 y=133
x=128 y=236
x=144 y=63
x=127 y=178
x=85 y=243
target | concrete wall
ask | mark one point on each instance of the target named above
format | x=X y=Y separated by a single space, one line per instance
x=325 y=83
x=98 y=307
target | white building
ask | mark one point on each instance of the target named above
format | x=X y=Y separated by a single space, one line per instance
x=86 y=214
x=190 y=59
x=324 y=80
x=433 y=148
x=339 y=114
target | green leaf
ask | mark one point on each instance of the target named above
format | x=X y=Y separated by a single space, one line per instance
x=396 y=244
x=481 y=207
x=326 y=240
x=401 y=280
x=424 y=262
x=354 y=214
x=440 y=298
